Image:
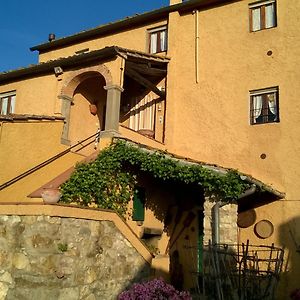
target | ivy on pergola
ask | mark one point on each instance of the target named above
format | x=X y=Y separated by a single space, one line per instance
x=109 y=183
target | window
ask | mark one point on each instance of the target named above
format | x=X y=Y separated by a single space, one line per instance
x=158 y=40
x=7 y=103
x=264 y=106
x=262 y=15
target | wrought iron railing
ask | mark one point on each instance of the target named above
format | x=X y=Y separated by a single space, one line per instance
x=239 y=272
x=91 y=139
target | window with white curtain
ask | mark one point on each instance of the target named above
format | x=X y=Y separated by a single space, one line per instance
x=264 y=106
x=158 y=39
x=7 y=103
x=142 y=114
x=262 y=15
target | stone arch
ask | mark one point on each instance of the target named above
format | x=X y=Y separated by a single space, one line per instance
x=70 y=86
x=77 y=77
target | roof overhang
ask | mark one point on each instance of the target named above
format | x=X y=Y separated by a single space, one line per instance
x=96 y=56
x=129 y=22
x=215 y=168
x=11 y=118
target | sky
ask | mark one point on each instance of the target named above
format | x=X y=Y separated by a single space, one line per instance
x=28 y=23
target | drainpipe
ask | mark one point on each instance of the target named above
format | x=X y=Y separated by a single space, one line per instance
x=1 y=128
x=215 y=213
x=248 y=192
x=196 y=12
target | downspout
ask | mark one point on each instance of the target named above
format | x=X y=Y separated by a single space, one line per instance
x=1 y=128
x=215 y=214
x=196 y=12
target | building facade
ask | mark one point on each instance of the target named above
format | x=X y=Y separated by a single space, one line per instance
x=212 y=81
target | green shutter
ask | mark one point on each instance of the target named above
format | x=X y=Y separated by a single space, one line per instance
x=138 y=213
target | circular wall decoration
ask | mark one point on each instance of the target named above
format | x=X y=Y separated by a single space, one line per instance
x=246 y=218
x=263 y=229
x=263 y=156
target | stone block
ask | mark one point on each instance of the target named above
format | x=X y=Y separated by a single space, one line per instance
x=97 y=264
x=20 y=261
x=69 y=293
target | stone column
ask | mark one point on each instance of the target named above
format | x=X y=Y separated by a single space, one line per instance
x=228 y=222
x=113 y=101
x=65 y=111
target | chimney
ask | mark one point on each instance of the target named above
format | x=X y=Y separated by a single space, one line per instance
x=51 y=37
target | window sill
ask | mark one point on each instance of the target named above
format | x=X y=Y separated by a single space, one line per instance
x=160 y=53
x=265 y=123
x=264 y=29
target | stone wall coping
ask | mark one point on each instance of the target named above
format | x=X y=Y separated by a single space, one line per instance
x=66 y=211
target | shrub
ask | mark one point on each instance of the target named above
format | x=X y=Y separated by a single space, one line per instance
x=155 y=289
x=109 y=181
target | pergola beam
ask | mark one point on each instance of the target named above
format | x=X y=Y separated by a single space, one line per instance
x=132 y=73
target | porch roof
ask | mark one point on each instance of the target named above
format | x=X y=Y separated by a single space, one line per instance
x=60 y=179
x=215 y=168
x=81 y=59
x=26 y=117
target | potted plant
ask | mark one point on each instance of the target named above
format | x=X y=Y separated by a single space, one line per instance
x=51 y=195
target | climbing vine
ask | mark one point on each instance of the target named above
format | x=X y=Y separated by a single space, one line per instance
x=108 y=182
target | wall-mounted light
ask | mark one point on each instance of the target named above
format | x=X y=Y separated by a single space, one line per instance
x=58 y=71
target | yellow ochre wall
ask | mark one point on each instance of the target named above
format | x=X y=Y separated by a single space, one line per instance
x=24 y=145
x=285 y=217
x=35 y=95
x=209 y=120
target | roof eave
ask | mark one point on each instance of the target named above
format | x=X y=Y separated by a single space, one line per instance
x=72 y=61
x=214 y=168
x=106 y=53
x=131 y=21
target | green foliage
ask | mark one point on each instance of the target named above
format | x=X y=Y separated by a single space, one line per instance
x=62 y=247
x=108 y=182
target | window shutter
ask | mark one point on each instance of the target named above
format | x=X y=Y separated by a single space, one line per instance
x=138 y=213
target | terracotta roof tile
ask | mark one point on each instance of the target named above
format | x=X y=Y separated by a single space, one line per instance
x=25 y=117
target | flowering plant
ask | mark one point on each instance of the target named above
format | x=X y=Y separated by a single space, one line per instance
x=156 y=289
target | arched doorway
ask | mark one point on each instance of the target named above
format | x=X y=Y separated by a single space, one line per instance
x=82 y=89
x=87 y=113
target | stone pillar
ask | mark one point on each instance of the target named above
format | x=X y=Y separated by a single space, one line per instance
x=65 y=111
x=113 y=101
x=228 y=222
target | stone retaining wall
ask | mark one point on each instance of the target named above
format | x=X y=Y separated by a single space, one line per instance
x=44 y=257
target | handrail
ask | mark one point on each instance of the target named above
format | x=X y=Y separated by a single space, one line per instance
x=48 y=161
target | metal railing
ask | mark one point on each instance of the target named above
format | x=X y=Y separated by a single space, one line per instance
x=51 y=159
x=238 y=272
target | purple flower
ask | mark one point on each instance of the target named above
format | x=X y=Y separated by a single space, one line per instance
x=155 y=289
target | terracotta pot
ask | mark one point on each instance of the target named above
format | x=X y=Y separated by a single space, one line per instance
x=93 y=109
x=51 y=195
